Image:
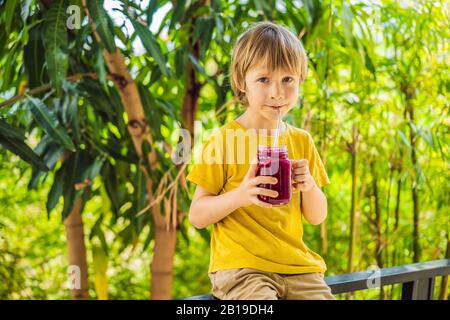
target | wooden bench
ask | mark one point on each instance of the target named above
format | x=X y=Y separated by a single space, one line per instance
x=417 y=280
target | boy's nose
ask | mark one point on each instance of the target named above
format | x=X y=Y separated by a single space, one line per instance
x=276 y=92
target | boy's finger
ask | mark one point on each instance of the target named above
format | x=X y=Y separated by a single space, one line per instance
x=266 y=192
x=299 y=163
x=264 y=180
x=251 y=173
x=302 y=170
x=263 y=204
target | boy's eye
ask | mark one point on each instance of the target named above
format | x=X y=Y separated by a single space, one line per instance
x=285 y=79
x=263 y=79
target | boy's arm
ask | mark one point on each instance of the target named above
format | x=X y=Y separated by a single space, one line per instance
x=314 y=202
x=314 y=205
x=207 y=208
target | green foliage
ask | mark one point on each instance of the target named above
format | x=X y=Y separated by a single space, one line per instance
x=152 y=46
x=13 y=140
x=367 y=65
x=34 y=59
x=103 y=24
x=55 y=42
x=49 y=123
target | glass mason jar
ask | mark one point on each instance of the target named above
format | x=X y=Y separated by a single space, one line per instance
x=274 y=162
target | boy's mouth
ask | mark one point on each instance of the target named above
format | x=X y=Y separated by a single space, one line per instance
x=277 y=107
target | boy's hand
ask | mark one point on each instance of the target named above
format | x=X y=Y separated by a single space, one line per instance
x=303 y=180
x=248 y=191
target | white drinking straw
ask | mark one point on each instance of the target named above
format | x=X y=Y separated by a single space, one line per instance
x=277 y=132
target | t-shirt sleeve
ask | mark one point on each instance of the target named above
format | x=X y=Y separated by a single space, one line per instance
x=316 y=167
x=208 y=168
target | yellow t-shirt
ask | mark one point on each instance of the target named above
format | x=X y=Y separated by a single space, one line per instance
x=254 y=237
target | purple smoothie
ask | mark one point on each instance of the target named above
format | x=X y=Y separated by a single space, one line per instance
x=274 y=162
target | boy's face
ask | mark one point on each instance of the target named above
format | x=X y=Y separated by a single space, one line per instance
x=267 y=91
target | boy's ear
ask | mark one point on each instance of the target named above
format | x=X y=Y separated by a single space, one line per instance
x=240 y=87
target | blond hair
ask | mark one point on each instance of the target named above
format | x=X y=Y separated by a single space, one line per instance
x=272 y=43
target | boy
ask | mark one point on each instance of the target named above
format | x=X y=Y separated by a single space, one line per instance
x=257 y=250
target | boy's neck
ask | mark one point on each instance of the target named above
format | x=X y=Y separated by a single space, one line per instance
x=254 y=122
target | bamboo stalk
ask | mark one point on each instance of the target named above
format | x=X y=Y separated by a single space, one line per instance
x=443 y=294
x=409 y=113
x=352 y=148
x=379 y=240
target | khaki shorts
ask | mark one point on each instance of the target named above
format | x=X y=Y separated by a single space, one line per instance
x=252 y=284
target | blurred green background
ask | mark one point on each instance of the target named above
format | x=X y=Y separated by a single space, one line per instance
x=375 y=100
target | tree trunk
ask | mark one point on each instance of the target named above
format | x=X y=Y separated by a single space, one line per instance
x=353 y=152
x=77 y=252
x=409 y=113
x=395 y=231
x=397 y=217
x=443 y=295
x=192 y=92
x=379 y=239
x=73 y=225
x=323 y=225
x=162 y=264
x=386 y=229
x=139 y=131
x=388 y=213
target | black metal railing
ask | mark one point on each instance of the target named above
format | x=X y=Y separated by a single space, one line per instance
x=417 y=280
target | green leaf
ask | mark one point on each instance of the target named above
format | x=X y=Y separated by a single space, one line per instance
x=34 y=58
x=73 y=119
x=201 y=24
x=197 y=65
x=9 y=131
x=94 y=169
x=70 y=178
x=177 y=13
x=140 y=191
x=180 y=61
x=50 y=152
x=149 y=238
x=120 y=34
x=152 y=6
x=21 y=149
x=55 y=42
x=148 y=102
x=216 y=5
x=10 y=9
x=103 y=24
x=99 y=65
x=56 y=190
x=219 y=27
x=146 y=149
x=110 y=181
x=347 y=17
x=102 y=104
x=51 y=156
x=152 y=46
x=49 y=123
x=166 y=108
x=368 y=62
x=156 y=74
x=152 y=115
x=404 y=139
x=206 y=37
